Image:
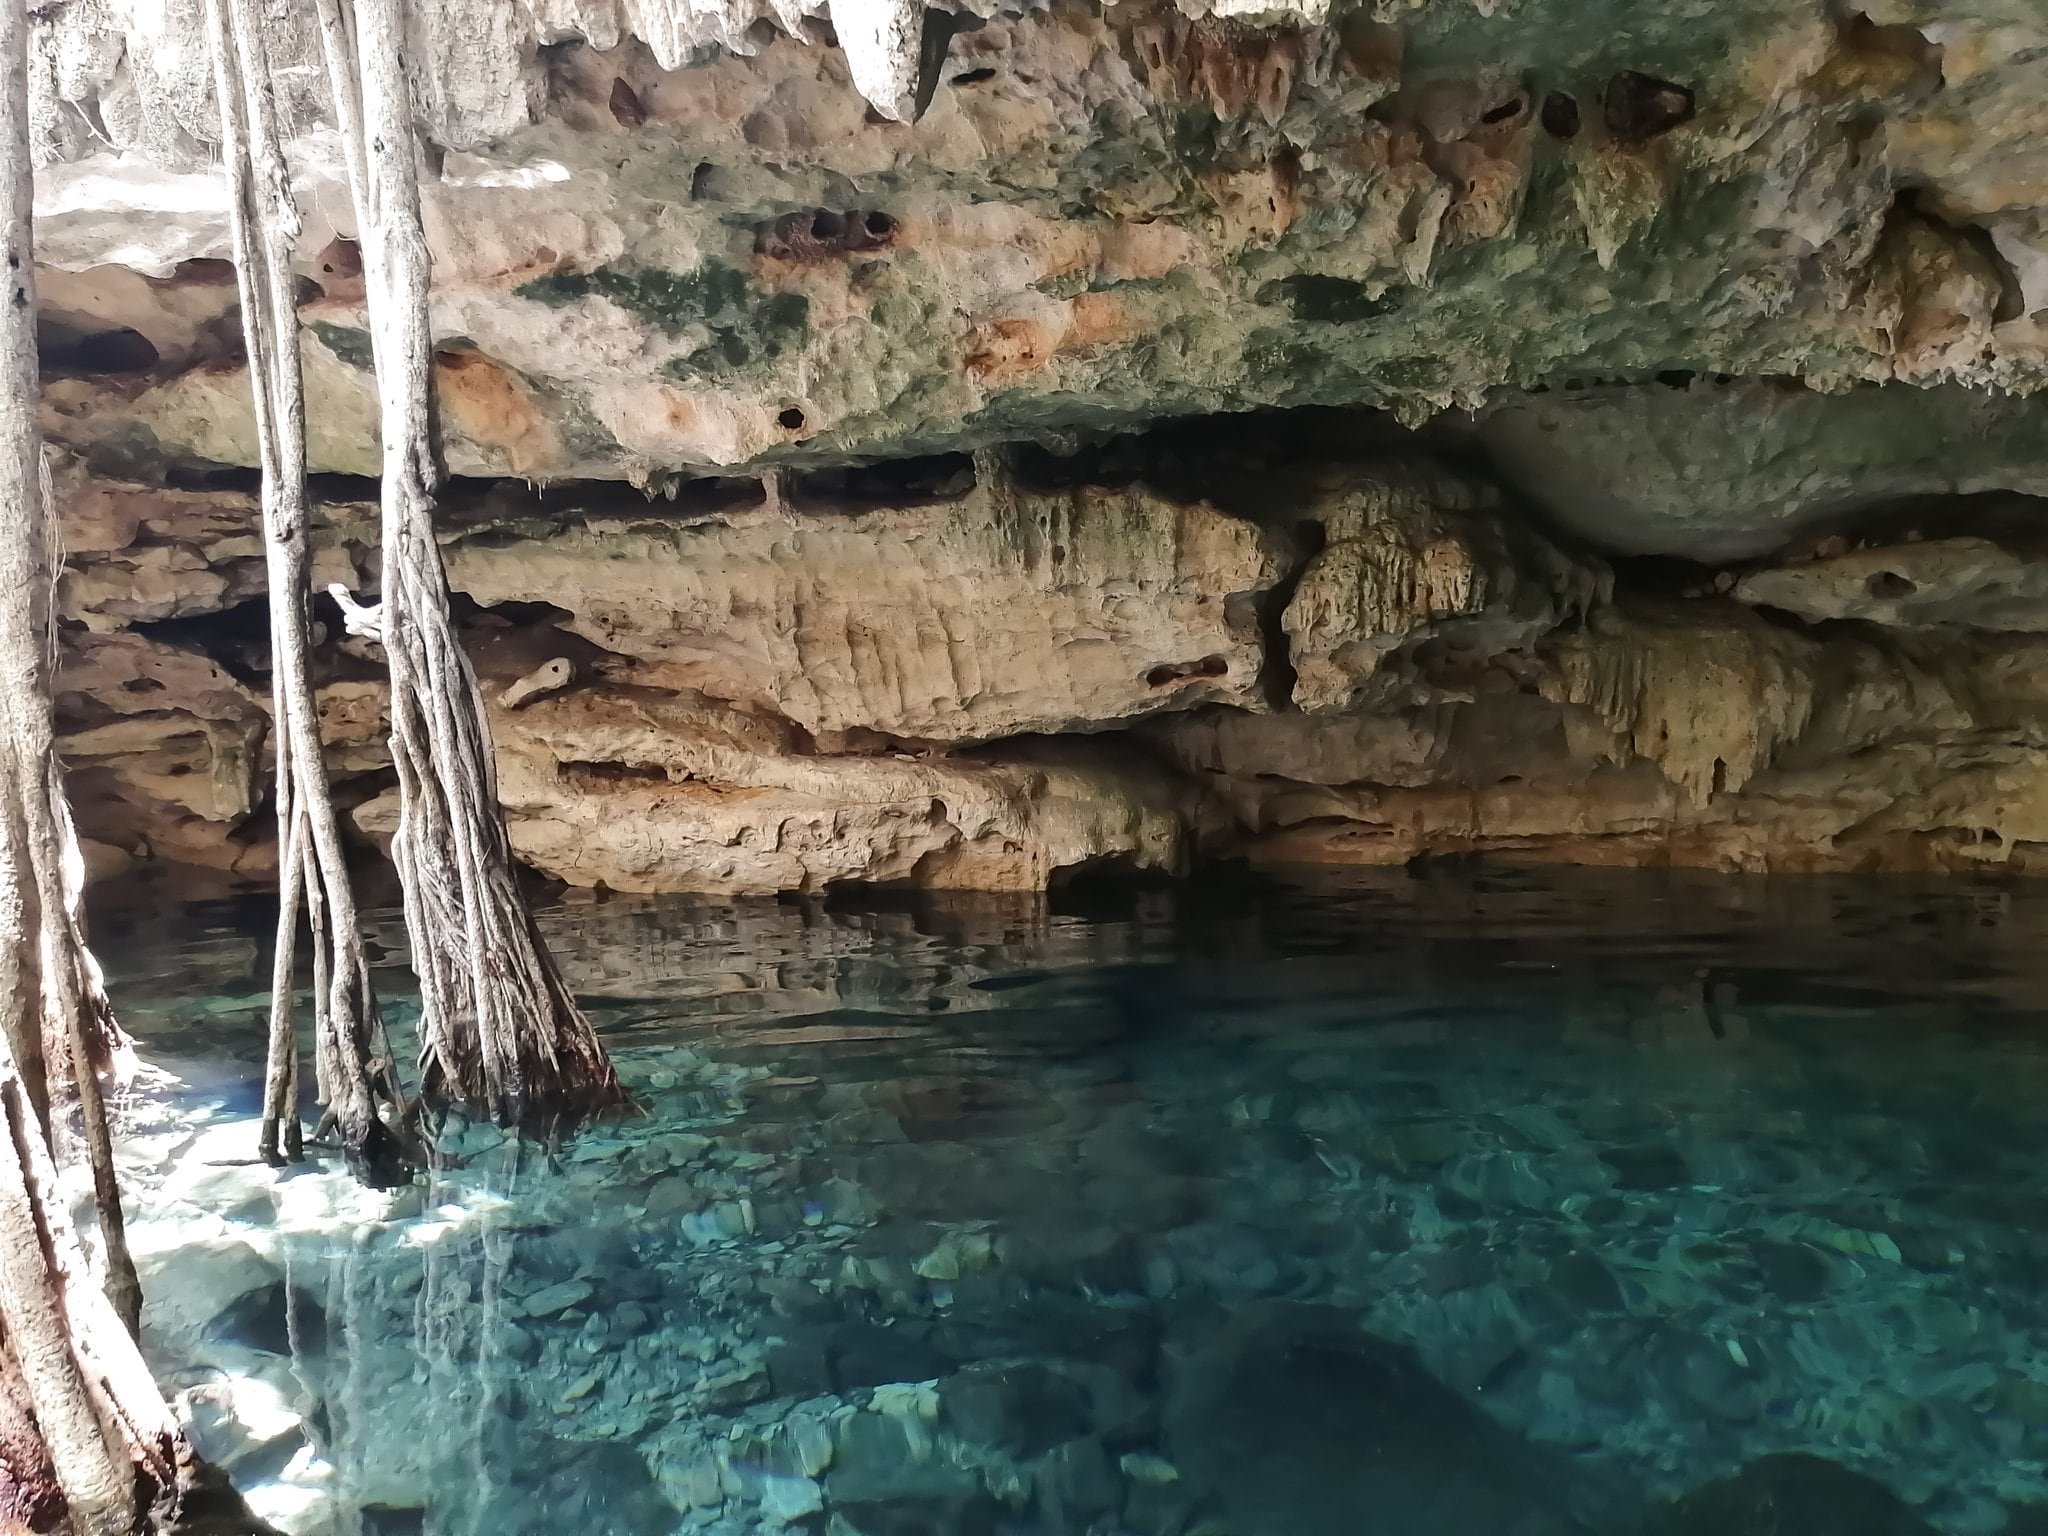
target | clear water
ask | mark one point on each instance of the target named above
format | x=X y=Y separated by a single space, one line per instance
x=1431 y=1205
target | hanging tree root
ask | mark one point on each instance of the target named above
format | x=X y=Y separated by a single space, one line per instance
x=499 y=1031
x=352 y=1060
x=87 y=1444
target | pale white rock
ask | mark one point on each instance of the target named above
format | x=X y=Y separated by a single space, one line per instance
x=187 y=1285
x=1969 y=583
x=239 y=1417
x=1717 y=472
x=294 y=1510
x=881 y=39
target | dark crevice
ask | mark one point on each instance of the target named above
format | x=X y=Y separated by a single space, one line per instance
x=476 y=502
x=890 y=483
x=2011 y=303
x=237 y=639
x=322 y=489
x=626 y=108
x=627 y=774
x=213 y=477
x=514 y=613
x=65 y=351
x=812 y=234
x=1276 y=671
x=1638 y=107
x=1560 y=115
x=1168 y=673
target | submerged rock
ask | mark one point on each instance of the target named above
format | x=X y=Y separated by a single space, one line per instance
x=1295 y=1422
x=1792 y=1495
x=278 y=1318
x=555 y=1485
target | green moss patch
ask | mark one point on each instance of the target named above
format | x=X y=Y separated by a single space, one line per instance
x=352 y=346
x=748 y=326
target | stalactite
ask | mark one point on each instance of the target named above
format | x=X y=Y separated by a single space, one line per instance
x=498 y=1026
x=354 y=1063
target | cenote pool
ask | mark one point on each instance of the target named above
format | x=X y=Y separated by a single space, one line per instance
x=1436 y=1203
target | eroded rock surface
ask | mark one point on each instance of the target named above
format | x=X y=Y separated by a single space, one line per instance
x=1637 y=450
x=668 y=238
x=1368 y=660
x=987 y=615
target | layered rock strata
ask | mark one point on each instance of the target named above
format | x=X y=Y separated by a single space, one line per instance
x=983 y=674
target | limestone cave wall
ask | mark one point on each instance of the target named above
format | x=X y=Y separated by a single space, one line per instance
x=956 y=446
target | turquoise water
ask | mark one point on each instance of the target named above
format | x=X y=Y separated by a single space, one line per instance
x=1409 y=1205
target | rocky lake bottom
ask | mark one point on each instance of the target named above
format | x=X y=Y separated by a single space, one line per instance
x=1435 y=1203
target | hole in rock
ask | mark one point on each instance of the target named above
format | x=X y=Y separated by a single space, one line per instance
x=1639 y=107
x=1512 y=107
x=627 y=110
x=279 y=1319
x=812 y=234
x=1890 y=584
x=974 y=76
x=1168 y=673
x=342 y=258
x=1561 y=115
x=791 y=419
x=1874 y=59
x=1676 y=378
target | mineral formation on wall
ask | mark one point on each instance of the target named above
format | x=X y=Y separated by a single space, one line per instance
x=1130 y=433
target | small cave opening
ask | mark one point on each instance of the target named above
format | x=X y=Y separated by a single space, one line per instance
x=921 y=481
x=626 y=107
x=1560 y=115
x=236 y=639
x=1108 y=888
x=1638 y=107
x=69 y=351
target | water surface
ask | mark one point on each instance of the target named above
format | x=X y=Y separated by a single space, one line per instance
x=1413 y=1204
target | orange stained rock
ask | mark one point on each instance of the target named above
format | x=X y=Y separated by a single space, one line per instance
x=1098 y=319
x=489 y=405
x=1008 y=349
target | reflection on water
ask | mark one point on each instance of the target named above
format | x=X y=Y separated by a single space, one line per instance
x=1412 y=1205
